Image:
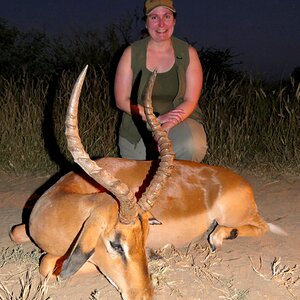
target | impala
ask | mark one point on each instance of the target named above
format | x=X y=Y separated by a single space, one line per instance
x=106 y=215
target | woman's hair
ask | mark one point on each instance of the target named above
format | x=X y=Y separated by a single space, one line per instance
x=145 y=16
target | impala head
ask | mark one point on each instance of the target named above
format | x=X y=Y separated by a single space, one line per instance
x=113 y=237
x=124 y=260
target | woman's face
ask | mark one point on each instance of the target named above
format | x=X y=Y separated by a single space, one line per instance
x=160 y=23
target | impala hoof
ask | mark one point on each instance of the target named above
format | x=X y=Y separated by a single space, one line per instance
x=233 y=234
x=212 y=247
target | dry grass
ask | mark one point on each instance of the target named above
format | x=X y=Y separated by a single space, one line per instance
x=22 y=281
x=28 y=289
x=19 y=275
x=283 y=275
x=249 y=124
x=252 y=125
x=33 y=122
x=198 y=261
x=19 y=255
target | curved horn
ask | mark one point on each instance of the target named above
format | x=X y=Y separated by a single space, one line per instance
x=165 y=149
x=128 y=203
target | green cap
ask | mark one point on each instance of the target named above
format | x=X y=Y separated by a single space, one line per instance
x=151 y=4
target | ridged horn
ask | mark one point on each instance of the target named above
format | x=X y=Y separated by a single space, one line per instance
x=128 y=203
x=165 y=167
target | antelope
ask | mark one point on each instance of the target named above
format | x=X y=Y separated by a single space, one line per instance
x=105 y=216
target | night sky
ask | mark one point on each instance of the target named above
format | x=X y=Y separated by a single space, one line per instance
x=264 y=33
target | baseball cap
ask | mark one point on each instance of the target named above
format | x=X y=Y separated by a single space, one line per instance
x=151 y=4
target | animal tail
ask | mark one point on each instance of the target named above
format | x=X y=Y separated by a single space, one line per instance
x=276 y=229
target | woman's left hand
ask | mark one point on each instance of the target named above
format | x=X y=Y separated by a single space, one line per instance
x=171 y=118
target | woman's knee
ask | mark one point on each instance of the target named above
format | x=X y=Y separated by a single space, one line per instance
x=190 y=151
x=189 y=141
x=131 y=151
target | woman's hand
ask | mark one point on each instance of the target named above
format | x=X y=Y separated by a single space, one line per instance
x=171 y=119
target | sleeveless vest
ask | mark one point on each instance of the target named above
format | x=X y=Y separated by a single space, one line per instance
x=133 y=128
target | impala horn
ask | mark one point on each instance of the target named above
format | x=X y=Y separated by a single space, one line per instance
x=165 y=167
x=128 y=203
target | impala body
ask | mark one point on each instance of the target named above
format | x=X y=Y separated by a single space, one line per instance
x=105 y=215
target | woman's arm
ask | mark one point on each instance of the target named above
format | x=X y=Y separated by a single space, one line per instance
x=123 y=86
x=194 y=79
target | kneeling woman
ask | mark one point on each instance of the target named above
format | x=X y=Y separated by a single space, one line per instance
x=176 y=91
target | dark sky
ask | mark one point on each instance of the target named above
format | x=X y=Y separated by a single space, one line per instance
x=265 y=33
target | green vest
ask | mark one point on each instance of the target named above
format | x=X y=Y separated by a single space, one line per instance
x=133 y=128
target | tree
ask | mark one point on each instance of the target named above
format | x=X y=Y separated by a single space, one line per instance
x=23 y=52
x=218 y=63
x=296 y=75
x=8 y=36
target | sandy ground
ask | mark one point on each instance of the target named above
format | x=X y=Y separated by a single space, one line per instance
x=246 y=268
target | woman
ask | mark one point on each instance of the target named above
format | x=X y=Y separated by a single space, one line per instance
x=175 y=94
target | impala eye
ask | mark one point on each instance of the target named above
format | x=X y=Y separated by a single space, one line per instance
x=117 y=247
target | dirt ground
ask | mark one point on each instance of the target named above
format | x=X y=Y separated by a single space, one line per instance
x=245 y=268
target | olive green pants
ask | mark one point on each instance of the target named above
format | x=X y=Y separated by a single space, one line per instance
x=188 y=141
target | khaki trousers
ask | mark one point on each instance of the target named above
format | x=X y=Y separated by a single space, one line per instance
x=188 y=141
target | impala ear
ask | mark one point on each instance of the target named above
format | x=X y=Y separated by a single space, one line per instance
x=84 y=247
x=152 y=220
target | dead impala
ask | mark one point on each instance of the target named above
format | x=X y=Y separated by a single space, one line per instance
x=105 y=218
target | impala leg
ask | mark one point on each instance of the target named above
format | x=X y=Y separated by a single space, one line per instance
x=87 y=268
x=256 y=227
x=220 y=233
x=49 y=266
x=18 y=234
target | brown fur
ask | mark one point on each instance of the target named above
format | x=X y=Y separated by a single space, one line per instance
x=195 y=195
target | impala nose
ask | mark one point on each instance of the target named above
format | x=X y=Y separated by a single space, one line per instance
x=146 y=294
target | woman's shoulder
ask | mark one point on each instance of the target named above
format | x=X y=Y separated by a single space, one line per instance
x=183 y=44
x=181 y=49
x=180 y=42
x=140 y=43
